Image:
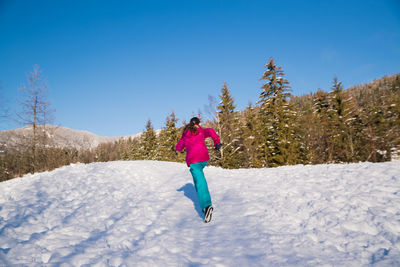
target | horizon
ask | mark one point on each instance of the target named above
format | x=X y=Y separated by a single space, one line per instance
x=77 y=130
x=156 y=129
x=113 y=65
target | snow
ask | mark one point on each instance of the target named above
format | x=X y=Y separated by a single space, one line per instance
x=145 y=213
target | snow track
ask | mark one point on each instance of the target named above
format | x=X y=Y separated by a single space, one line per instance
x=145 y=213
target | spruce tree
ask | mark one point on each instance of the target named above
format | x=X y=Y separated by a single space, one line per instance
x=393 y=119
x=168 y=139
x=279 y=144
x=229 y=131
x=305 y=129
x=251 y=137
x=149 y=143
x=344 y=124
x=353 y=129
x=135 y=151
x=123 y=148
x=380 y=103
x=320 y=119
x=336 y=142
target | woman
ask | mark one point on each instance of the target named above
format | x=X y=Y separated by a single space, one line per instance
x=197 y=158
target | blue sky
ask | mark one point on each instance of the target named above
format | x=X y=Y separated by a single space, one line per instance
x=112 y=65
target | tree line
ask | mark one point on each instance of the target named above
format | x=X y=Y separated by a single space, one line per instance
x=361 y=123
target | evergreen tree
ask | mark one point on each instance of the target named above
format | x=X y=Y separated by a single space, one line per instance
x=168 y=139
x=123 y=148
x=393 y=119
x=353 y=126
x=380 y=104
x=229 y=131
x=307 y=131
x=251 y=137
x=335 y=112
x=279 y=144
x=149 y=143
x=344 y=124
x=135 y=151
x=320 y=119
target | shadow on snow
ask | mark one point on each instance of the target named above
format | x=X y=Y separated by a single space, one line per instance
x=190 y=192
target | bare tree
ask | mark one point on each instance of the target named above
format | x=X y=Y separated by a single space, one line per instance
x=211 y=109
x=35 y=109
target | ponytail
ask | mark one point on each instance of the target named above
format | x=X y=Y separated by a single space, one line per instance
x=192 y=125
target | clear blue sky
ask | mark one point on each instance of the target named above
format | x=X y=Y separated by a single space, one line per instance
x=112 y=65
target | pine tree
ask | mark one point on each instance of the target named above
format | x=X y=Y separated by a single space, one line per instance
x=168 y=139
x=380 y=103
x=306 y=133
x=135 y=152
x=251 y=137
x=123 y=148
x=344 y=124
x=229 y=131
x=148 y=143
x=353 y=126
x=321 y=143
x=393 y=118
x=279 y=144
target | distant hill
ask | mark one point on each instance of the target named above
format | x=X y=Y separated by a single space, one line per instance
x=57 y=136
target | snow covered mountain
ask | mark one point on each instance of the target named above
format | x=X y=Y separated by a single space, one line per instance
x=59 y=136
x=145 y=213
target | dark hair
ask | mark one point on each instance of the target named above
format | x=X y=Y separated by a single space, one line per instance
x=192 y=125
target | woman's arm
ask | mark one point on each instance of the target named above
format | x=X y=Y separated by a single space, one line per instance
x=209 y=132
x=180 y=145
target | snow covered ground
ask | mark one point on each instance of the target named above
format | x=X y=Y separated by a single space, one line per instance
x=145 y=213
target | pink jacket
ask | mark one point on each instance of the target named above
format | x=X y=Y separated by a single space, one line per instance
x=196 y=150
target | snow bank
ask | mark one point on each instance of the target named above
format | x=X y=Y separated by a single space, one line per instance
x=145 y=213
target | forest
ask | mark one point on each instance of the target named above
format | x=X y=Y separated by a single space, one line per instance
x=358 y=124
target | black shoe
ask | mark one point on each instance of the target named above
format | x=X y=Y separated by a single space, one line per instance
x=208 y=214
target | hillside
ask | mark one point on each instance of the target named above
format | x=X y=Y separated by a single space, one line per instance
x=145 y=213
x=57 y=136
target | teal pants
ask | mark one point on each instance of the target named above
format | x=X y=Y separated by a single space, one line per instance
x=200 y=184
